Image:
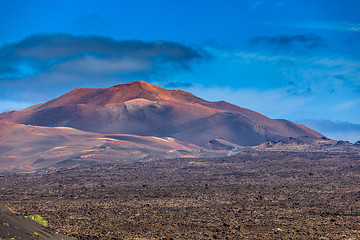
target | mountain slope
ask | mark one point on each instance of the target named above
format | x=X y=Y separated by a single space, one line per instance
x=144 y=109
x=26 y=148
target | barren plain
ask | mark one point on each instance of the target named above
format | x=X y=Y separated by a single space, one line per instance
x=251 y=195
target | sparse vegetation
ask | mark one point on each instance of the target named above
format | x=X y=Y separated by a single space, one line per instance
x=39 y=219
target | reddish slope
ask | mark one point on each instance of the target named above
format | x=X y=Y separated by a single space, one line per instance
x=26 y=148
x=144 y=109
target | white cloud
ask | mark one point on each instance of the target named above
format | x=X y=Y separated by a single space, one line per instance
x=346 y=105
x=335 y=62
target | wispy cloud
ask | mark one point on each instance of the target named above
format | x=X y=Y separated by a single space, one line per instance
x=299 y=72
x=347 y=105
x=333 y=26
x=297 y=42
x=255 y=4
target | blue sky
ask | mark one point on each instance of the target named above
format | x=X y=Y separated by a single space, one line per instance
x=298 y=60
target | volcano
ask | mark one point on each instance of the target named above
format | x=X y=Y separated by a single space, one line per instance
x=140 y=108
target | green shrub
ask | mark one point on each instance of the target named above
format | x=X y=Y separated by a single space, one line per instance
x=39 y=219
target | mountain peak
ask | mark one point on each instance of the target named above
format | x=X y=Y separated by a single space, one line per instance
x=138 y=83
x=141 y=86
x=142 y=89
x=142 y=83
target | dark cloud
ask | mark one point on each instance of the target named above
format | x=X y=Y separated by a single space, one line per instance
x=46 y=51
x=49 y=60
x=285 y=42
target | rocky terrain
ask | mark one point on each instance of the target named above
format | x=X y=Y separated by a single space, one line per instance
x=252 y=195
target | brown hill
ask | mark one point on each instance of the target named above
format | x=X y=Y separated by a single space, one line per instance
x=144 y=109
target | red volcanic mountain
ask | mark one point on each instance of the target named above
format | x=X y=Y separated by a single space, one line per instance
x=140 y=108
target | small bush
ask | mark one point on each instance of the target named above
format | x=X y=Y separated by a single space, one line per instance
x=39 y=219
